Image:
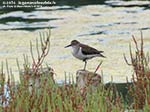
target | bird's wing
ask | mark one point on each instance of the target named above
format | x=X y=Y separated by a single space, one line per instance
x=87 y=50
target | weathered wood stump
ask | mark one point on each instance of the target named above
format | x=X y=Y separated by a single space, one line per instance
x=34 y=80
x=86 y=78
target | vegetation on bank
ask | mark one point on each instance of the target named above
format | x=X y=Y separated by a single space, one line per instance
x=38 y=91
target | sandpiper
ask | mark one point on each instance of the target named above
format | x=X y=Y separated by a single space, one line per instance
x=84 y=52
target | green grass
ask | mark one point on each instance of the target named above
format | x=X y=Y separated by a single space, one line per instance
x=48 y=96
x=51 y=97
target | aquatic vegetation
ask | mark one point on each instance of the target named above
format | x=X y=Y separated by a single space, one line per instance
x=38 y=91
x=140 y=90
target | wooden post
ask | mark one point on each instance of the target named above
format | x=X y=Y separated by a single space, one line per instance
x=34 y=81
x=86 y=78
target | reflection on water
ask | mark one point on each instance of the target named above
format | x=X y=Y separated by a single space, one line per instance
x=30 y=19
x=106 y=25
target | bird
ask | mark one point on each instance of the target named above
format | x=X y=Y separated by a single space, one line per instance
x=84 y=52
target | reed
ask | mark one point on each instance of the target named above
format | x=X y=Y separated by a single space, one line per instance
x=48 y=96
x=141 y=77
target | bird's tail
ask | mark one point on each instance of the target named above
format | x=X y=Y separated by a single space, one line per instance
x=101 y=55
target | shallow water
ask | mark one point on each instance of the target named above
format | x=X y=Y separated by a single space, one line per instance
x=108 y=27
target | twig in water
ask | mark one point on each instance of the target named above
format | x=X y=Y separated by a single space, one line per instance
x=98 y=67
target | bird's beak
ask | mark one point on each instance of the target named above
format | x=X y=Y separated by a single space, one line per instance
x=67 y=46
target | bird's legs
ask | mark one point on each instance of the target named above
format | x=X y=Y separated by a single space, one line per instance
x=85 y=64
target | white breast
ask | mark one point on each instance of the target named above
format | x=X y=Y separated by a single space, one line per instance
x=76 y=52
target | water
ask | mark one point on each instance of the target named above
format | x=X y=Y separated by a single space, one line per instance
x=105 y=25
